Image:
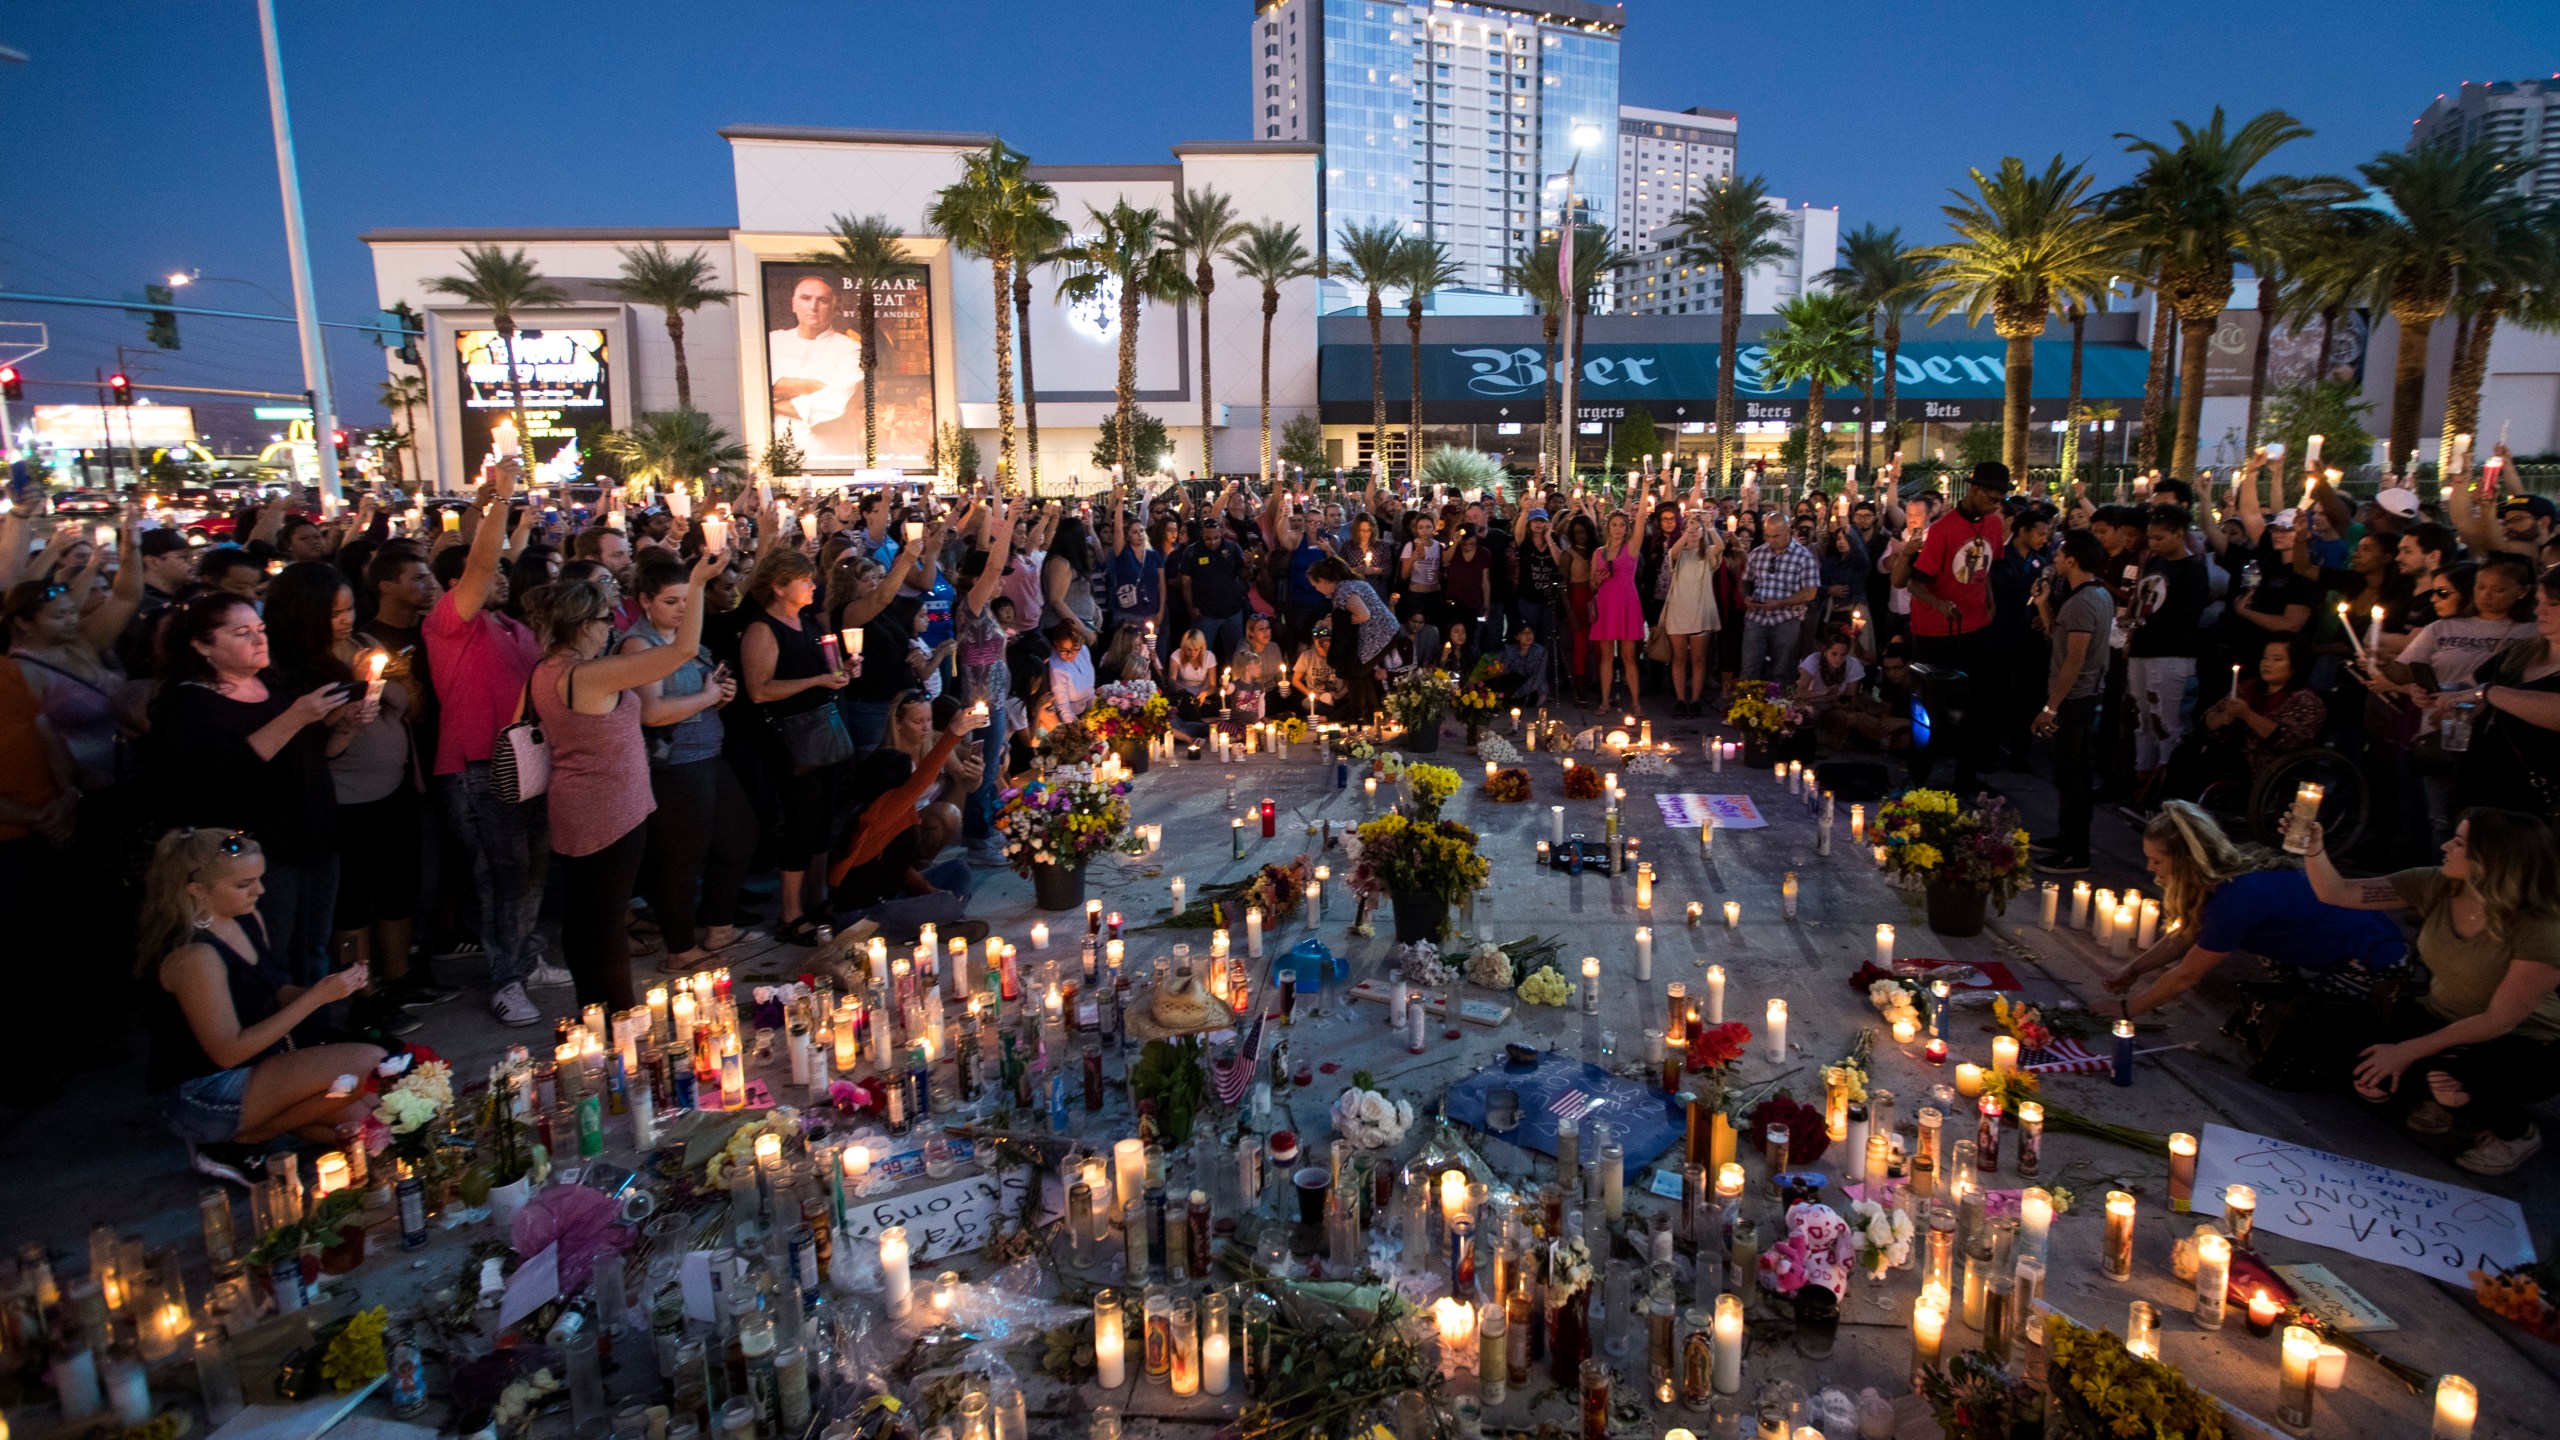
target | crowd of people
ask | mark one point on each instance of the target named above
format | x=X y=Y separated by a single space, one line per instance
x=321 y=759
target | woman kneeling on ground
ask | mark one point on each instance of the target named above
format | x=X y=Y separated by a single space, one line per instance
x=224 y=1067
x=2486 y=1036
x=2226 y=897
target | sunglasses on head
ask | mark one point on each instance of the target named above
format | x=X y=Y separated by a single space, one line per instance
x=235 y=843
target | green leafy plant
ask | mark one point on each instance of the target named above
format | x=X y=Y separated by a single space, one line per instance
x=1149 y=445
x=1469 y=472
x=1302 y=442
x=2129 y=1396
x=1168 y=1073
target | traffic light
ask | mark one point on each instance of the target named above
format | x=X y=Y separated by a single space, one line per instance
x=11 y=387
x=338 y=438
x=162 y=327
x=121 y=388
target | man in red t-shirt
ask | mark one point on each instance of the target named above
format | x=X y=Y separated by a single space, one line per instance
x=1950 y=584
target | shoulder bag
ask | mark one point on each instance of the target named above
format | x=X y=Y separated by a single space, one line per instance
x=520 y=764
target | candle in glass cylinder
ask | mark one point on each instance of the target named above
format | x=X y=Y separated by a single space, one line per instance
x=1555 y=817
x=2004 y=1055
x=1728 y=1346
x=2103 y=921
x=1884 y=947
x=2240 y=1213
x=2035 y=1220
x=1787 y=895
x=2182 y=1172
x=2298 y=1378
x=1590 y=984
x=2030 y=1139
x=2147 y=925
x=1732 y=914
x=1129 y=1170
x=2213 y=1280
x=1253 y=931
x=1928 y=1331
x=1178 y=887
x=1696 y=913
x=2118 y=1255
x=1777 y=1023
x=1110 y=1342
x=897 y=1288
x=2142 y=1330
x=1905 y=1030
x=2457 y=1408
x=330 y=1172
x=1968 y=1079
x=1644 y=952
x=1675 y=1057
x=1857 y=824
x=2048 y=903
x=2079 y=904
x=1715 y=994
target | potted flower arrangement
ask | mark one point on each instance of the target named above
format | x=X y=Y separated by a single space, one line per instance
x=1072 y=746
x=1766 y=718
x=1053 y=829
x=1417 y=701
x=1475 y=704
x=1129 y=716
x=1430 y=786
x=512 y=1161
x=1424 y=866
x=1964 y=857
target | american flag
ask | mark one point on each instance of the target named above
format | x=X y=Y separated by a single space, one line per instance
x=1572 y=1105
x=2070 y=1057
x=1234 y=1074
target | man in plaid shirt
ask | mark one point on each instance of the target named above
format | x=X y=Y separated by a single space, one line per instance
x=1779 y=581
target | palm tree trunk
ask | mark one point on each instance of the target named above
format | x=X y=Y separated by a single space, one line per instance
x=2409 y=386
x=1000 y=265
x=1729 y=332
x=1581 y=336
x=1413 y=367
x=2470 y=371
x=1270 y=313
x=1892 y=383
x=2070 y=457
x=2267 y=312
x=1206 y=278
x=868 y=311
x=1030 y=391
x=1547 y=424
x=2155 y=387
x=2195 y=339
x=2017 y=385
x=1867 y=413
x=1127 y=380
x=2328 y=332
x=515 y=390
x=684 y=373
x=1377 y=389
x=1817 y=445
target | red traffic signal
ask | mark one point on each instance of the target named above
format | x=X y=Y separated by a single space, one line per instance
x=12 y=387
x=338 y=438
x=121 y=388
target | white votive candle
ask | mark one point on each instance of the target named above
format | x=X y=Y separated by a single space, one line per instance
x=1715 y=994
x=1040 y=928
x=1884 y=947
x=1732 y=914
x=1644 y=952
x=1777 y=1031
x=897 y=1288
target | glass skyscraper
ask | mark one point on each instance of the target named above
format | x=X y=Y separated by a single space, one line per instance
x=1446 y=117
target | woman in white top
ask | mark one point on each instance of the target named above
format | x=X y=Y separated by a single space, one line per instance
x=1689 y=613
x=1070 y=676
x=1419 y=566
x=1191 y=677
x=2476 y=608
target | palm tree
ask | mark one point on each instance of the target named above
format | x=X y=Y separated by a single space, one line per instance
x=671 y=449
x=1595 y=255
x=2202 y=209
x=675 y=284
x=1370 y=257
x=1129 y=250
x=1889 y=279
x=1039 y=238
x=2021 y=241
x=1535 y=274
x=1424 y=268
x=1270 y=255
x=1823 y=339
x=1203 y=224
x=2447 y=205
x=502 y=282
x=1734 y=228
x=980 y=214
x=2285 y=250
x=2518 y=259
x=405 y=393
x=867 y=255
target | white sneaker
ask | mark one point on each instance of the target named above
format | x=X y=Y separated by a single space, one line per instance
x=2493 y=1156
x=546 y=975
x=512 y=1008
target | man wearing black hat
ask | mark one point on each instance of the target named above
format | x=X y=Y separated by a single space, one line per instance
x=1950 y=583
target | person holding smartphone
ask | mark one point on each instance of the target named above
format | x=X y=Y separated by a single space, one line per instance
x=703 y=833
x=232 y=748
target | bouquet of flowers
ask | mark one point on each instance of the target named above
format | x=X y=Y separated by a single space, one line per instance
x=1129 y=712
x=1817 y=1251
x=738 y=1152
x=1807 y=1136
x=1582 y=782
x=1884 y=1236
x=1721 y=1045
x=1930 y=837
x=1508 y=787
x=1062 y=822
x=1496 y=750
x=1568 y=1269
x=1368 y=1120
x=1764 y=709
x=1276 y=890
x=1293 y=730
x=1546 y=987
x=1490 y=967
x=2023 y=1023
x=1896 y=1000
x=1476 y=704
x=411 y=1112
x=1072 y=746
x=1396 y=854
x=1419 y=698
x=1432 y=785
x=1420 y=964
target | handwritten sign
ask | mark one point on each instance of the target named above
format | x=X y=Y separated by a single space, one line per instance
x=1731 y=812
x=2364 y=1209
x=945 y=1220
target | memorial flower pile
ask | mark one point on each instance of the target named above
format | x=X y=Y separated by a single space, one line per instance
x=1420 y=964
x=1490 y=967
x=1497 y=750
x=738 y=1152
x=1932 y=838
x=411 y=1112
x=1546 y=987
x=1072 y=746
x=1508 y=787
x=1896 y=1001
x=1884 y=1236
x=1129 y=712
x=1062 y=822
x=1419 y=698
x=1432 y=785
x=1582 y=782
x=1397 y=854
x=1368 y=1120
x=1765 y=710
x=1475 y=703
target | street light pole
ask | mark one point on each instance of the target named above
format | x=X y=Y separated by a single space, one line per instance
x=1584 y=137
x=306 y=305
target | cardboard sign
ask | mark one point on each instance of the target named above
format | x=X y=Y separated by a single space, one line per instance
x=1731 y=812
x=2436 y=1229
x=947 y=1219
x=2333 y=1300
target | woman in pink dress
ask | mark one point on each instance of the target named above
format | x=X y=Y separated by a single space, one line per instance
x=1617 y=611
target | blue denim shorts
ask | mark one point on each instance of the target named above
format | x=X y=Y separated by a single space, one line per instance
x=206 y=1110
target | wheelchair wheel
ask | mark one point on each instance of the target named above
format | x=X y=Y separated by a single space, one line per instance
x=2345 y=806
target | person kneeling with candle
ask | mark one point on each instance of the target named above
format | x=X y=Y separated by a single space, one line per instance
x=224 y=1068
x=2227 y=897
x=2486 y=1035
x=879 y=876
x=1191 y=679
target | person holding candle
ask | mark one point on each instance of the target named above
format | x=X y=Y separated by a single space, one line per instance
x=2228 y=897
x=702 y=834
x=2274 y=713
x=1191 y=679
x=878 y=875
x=2168 y=610
x=982 y=624
x=1689 y=614
x=2486 y=1035
x=2515 y=752
x=589 y=704
x=222 y=1012
x=786 y=674
x=1361 y=618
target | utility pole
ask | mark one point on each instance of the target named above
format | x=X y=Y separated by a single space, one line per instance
x=306 y=306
